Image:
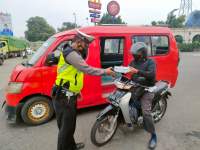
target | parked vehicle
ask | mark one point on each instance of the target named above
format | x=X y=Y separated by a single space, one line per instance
x=12 y=46
x=29 y=88
x=123 y=109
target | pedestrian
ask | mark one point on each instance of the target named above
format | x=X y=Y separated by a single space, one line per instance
x=143 y=71
x=68 y=84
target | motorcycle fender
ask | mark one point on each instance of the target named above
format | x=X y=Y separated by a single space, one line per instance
x=167 y=94
x=124 y=105
x=104 y=112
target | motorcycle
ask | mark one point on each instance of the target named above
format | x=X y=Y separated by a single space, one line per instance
x=123 y=109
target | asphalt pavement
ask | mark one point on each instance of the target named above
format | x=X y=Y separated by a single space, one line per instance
x=178 y=130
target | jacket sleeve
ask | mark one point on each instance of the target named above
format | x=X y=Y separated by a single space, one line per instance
x=78 y=62
x=150 y=72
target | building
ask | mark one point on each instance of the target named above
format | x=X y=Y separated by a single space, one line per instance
x=188 y=35
x=5 y=24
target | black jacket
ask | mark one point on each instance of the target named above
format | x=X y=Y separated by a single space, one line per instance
x=147 y=72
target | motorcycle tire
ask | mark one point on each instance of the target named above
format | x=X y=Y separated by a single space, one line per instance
x=159 y=116
x=97 y=127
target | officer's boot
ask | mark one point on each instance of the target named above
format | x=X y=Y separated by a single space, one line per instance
x=153 y=141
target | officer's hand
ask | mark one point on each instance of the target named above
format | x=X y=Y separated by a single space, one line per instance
x=132 y=70
x=109 y=71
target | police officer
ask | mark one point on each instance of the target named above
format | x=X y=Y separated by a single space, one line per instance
x=69 y=82
x=143 y=70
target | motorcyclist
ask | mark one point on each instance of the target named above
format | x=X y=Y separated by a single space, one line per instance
x=143 y=71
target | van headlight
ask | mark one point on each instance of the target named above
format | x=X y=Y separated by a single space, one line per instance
x=14 y=87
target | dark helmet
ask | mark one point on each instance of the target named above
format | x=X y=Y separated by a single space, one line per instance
x=139 y=50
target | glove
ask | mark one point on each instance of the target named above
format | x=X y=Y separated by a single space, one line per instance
x=109 y=71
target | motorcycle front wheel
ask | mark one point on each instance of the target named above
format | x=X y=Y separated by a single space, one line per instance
x=103 y=130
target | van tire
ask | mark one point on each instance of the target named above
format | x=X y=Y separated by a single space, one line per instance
x=37 y=110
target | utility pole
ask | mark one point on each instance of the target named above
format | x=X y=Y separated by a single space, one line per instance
x=74 y=14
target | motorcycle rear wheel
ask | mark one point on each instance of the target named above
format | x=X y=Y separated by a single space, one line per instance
x=105 y=129
x=159 y=110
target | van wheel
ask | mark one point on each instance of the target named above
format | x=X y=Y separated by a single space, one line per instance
x=37 y=110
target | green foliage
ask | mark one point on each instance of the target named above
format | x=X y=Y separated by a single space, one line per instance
x=195 y=46
x=38 y=29
x=107 y=19
x=175 y=22
x=179 y=39
x=67 y=26
x=196 y=38
x=172 y=21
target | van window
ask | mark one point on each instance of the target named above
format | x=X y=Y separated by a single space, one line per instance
x=160 y=45
x=146 y=40
x=157 y=45
x=111 y=51
x=41 y=51
x=59 y=48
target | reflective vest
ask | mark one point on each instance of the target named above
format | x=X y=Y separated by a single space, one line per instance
x=69 y=74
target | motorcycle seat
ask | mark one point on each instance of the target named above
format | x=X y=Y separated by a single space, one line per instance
x=159 y=87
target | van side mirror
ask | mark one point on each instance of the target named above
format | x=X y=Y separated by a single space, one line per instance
x=51 y=60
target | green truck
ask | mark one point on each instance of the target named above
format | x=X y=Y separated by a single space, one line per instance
x=12 y=47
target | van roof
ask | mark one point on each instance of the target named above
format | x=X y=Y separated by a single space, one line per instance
x=94 y=30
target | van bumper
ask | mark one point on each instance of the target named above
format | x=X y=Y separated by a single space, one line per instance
x=11 y=114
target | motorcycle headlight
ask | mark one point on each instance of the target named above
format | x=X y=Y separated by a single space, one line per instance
x=14 y=87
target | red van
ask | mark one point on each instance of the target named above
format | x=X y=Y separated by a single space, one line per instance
x=29 y=88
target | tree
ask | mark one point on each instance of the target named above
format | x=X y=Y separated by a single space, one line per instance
x=67 y=26
x=38 y=29
x=172 y=21
x=175 y=22
x=153 y=23
x=158 y=23
x=107 y=19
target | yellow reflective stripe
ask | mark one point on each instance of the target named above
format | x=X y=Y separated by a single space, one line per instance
x=62 y=68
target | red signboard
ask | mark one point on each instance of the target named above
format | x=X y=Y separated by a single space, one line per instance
x=113 y=8
x=95 y=20
x=94 y=5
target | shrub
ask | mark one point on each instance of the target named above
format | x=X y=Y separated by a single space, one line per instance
x=190 y=47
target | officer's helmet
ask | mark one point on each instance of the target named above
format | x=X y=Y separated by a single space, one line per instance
x=85 y=37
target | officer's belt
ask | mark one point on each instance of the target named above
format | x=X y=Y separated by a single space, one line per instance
x=65 y=91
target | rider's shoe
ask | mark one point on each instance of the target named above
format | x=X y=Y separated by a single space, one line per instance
x=79 y=146
x=153 y=141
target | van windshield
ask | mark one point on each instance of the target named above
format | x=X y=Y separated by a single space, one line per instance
x=41 y=51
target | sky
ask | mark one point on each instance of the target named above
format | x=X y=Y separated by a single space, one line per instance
x=134 y=12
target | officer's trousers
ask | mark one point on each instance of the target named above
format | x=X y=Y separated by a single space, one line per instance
x=66 y=120
x=146 y=104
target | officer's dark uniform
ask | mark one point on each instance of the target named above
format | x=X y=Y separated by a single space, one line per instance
x=147 y=70
x=69 y=83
